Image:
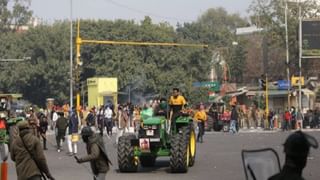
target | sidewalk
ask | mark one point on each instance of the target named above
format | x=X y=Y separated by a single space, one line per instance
x=263 y=131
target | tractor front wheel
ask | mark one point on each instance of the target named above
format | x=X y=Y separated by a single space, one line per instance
x=179 y=160
x=126 y=158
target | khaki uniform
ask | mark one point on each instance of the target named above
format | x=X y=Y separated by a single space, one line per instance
x=25 y=165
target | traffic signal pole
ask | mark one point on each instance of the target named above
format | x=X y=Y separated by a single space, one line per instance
x=79 y=64
x=80 y=41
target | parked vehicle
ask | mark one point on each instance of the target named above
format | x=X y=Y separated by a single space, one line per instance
x=214 y=117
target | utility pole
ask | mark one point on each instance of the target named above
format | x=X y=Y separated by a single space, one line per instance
x=300 y=56
x=79 y=64
x=267 y=97
x=71 y=57
x=287 y=52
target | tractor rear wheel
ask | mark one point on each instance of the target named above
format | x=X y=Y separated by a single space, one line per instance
x=179 y=159
x=147 y=161
x=126 y=159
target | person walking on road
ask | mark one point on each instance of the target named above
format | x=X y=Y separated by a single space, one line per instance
x=299 y=119
x=73 y=132
x=91 y=119
x=108 y=120
x=123 y=120
x=287 y=118
x=43 y=129
x=234 y=120
x=54 y=118
x=201 y=118
x=28 y=155
x=61 y=126
x=100 y=119
x=97 y=155
x=33 y=122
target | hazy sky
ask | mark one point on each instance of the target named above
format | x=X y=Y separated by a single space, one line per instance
x=172 y=11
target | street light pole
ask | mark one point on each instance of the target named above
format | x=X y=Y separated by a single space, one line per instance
x=287 y=51
x=300 y=56
x=71 y=57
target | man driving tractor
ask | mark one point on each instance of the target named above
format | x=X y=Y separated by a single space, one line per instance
x=177 y=103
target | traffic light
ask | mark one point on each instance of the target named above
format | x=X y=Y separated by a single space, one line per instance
x=80 y=86
x=79 y=80
x=81 y=77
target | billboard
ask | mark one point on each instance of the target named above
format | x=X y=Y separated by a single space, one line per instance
x=311 y=38
x=295 y=80
x=284 y=85
x=214 y=86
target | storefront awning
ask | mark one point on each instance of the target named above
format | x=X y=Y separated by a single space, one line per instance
x=274 y=93
x=308 y=92
x=236 y=93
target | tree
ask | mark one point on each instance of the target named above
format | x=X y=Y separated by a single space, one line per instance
x=149 y=71
x=13 y=18
x=217 y=28
x=269 y=14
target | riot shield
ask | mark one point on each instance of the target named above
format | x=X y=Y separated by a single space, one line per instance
x=260 y=164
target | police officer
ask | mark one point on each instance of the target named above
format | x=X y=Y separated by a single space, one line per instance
x=296 y=148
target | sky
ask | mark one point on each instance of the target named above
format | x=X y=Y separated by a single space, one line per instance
x=171 y=11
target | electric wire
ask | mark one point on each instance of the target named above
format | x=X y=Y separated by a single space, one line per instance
x=145 y=12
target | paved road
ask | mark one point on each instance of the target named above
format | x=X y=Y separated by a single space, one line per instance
x=218 y=158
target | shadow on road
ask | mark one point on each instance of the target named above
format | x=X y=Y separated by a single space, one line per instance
x=161 y=165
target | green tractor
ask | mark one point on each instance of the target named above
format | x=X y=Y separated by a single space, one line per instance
x=8 y=129
x=153 y=140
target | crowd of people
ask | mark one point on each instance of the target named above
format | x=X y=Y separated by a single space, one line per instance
x=243 y=117
x=106 y=119
x=27 y=151
x=69 y=124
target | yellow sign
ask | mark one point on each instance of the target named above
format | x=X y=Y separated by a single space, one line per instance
x=295 y=81
x=101 y=89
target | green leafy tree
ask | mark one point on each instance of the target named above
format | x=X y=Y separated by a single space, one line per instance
x=11 y=19
x=148 y=70
x=269 y=14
